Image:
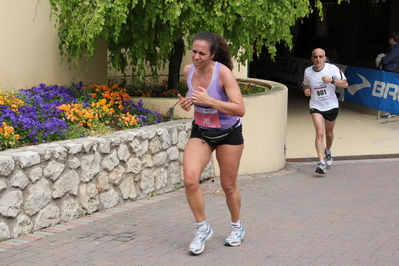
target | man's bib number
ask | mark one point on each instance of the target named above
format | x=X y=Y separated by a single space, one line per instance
x=207 y=117
x=321 y=92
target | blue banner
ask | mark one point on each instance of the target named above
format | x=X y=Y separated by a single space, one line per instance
x=373 y=88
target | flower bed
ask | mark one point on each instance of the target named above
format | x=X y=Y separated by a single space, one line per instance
x=50 y=113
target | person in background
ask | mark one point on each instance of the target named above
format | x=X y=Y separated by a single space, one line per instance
x=390 y=62
x=218 y=105
x=319 y=84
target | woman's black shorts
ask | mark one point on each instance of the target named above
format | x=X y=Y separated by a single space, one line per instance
x=329 y=115
x=234 y=138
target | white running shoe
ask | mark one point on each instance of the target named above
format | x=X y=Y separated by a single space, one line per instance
x=198 y=243
x=236 y=236
x=321 y=168
x=387 y=115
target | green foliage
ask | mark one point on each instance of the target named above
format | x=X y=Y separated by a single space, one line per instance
x=141 y=34
x=143 y=90
x=154 y=194
x=76 y=131
x=247 y=89
x=96 y=129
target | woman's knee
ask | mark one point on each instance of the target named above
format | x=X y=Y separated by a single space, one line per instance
x=191 y=182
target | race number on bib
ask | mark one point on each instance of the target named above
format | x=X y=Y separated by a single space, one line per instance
x=321 y=92
x=206 y=117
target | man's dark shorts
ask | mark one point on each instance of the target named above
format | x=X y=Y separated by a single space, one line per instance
x=234 y=138
x=329 y=115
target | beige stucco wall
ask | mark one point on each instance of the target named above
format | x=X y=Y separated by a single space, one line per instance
x=264 y=130
x=29 y=49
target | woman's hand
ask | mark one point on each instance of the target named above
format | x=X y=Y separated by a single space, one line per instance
x=201 y=96
x=185 y=103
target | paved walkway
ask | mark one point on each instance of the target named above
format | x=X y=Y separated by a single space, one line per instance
x=293 y=217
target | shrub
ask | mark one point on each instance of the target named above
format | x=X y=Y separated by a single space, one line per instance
x=143 y=90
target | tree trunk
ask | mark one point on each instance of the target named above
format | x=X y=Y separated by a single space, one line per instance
x=176 y=58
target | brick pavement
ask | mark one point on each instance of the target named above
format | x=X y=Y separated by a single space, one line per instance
x=292 y=217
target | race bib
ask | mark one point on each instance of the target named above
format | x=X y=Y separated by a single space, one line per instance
x=206 y=117
x=321 y=92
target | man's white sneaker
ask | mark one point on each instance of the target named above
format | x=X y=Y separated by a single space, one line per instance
x=387 y=115
x=198 y=243
x=235 y=237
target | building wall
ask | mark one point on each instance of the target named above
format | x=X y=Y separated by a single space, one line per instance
x=29 y=49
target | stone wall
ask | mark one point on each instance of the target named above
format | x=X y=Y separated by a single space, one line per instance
x=47 y=184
